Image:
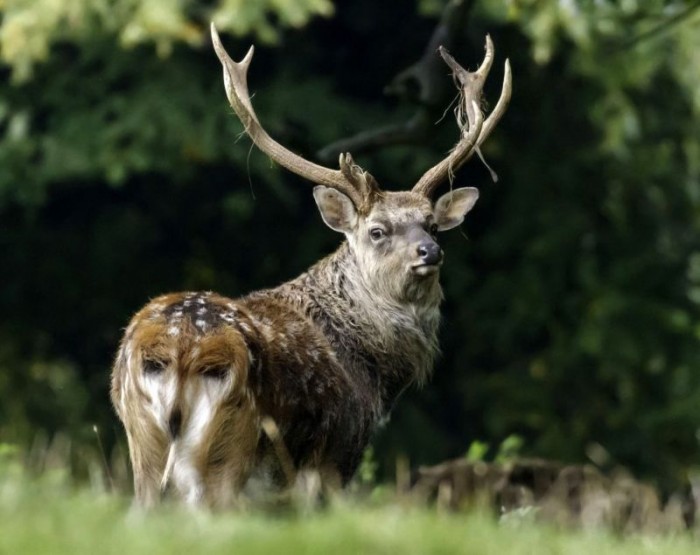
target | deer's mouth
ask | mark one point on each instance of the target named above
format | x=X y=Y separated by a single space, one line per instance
x=423 y=269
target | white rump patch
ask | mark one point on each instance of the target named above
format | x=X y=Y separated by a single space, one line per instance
x=162 y=389
x=202 y=399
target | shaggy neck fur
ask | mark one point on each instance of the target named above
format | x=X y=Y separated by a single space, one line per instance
x=384 y=333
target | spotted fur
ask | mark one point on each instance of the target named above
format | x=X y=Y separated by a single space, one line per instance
x=325 y=356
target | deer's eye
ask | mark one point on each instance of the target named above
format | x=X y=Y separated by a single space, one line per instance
x=153 y=366
x=377 y=233
x=215 y=372
x=433 y=229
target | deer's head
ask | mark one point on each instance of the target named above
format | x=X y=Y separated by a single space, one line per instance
x=393 y=235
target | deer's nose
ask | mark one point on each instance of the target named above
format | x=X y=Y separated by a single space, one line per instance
x=175 y=423
x=429 y=252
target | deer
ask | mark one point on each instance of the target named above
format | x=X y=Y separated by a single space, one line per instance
x=322 y=357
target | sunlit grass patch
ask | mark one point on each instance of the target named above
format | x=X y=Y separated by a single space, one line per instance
x=48 y=514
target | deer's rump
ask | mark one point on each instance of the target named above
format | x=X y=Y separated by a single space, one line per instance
x=197 y=373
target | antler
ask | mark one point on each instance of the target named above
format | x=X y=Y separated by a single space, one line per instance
x=351 y=180
x=474 y=130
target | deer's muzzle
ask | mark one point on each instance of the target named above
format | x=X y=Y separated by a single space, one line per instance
x=430 y=253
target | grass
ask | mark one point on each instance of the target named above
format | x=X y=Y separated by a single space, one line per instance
x=45 y=514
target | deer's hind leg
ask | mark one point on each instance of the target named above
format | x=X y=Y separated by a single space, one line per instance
x=230 y=454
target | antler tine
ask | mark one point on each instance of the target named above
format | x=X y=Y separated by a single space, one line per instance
x=361 y=179
x=460 y=153
x=474 y=130
x=236 y=84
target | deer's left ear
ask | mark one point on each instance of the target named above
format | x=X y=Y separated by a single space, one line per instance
x=451 y=207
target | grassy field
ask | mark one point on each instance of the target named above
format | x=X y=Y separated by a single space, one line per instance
x=45 y=514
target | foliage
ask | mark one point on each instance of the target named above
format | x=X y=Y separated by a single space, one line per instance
x=572 y=308
x=509 y=450
x=31 y=28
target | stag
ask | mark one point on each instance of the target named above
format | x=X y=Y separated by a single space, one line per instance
x=324 y=356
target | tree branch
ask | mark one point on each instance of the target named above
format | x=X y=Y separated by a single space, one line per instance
x=423 y=83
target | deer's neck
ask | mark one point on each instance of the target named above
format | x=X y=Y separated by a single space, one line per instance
x=390 y=342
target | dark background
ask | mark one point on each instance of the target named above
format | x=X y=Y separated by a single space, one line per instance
x=571 y=316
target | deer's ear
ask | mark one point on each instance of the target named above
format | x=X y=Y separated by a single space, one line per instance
x=337 y=210
x=451 y=207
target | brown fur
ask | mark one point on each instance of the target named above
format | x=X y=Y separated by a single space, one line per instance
x=324 y=355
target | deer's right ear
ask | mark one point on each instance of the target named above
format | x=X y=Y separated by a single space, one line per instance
x=337 y=210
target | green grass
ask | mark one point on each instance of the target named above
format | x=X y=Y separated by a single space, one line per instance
x=45 y=515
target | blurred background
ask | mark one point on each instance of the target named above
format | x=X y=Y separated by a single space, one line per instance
x=571 y=323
